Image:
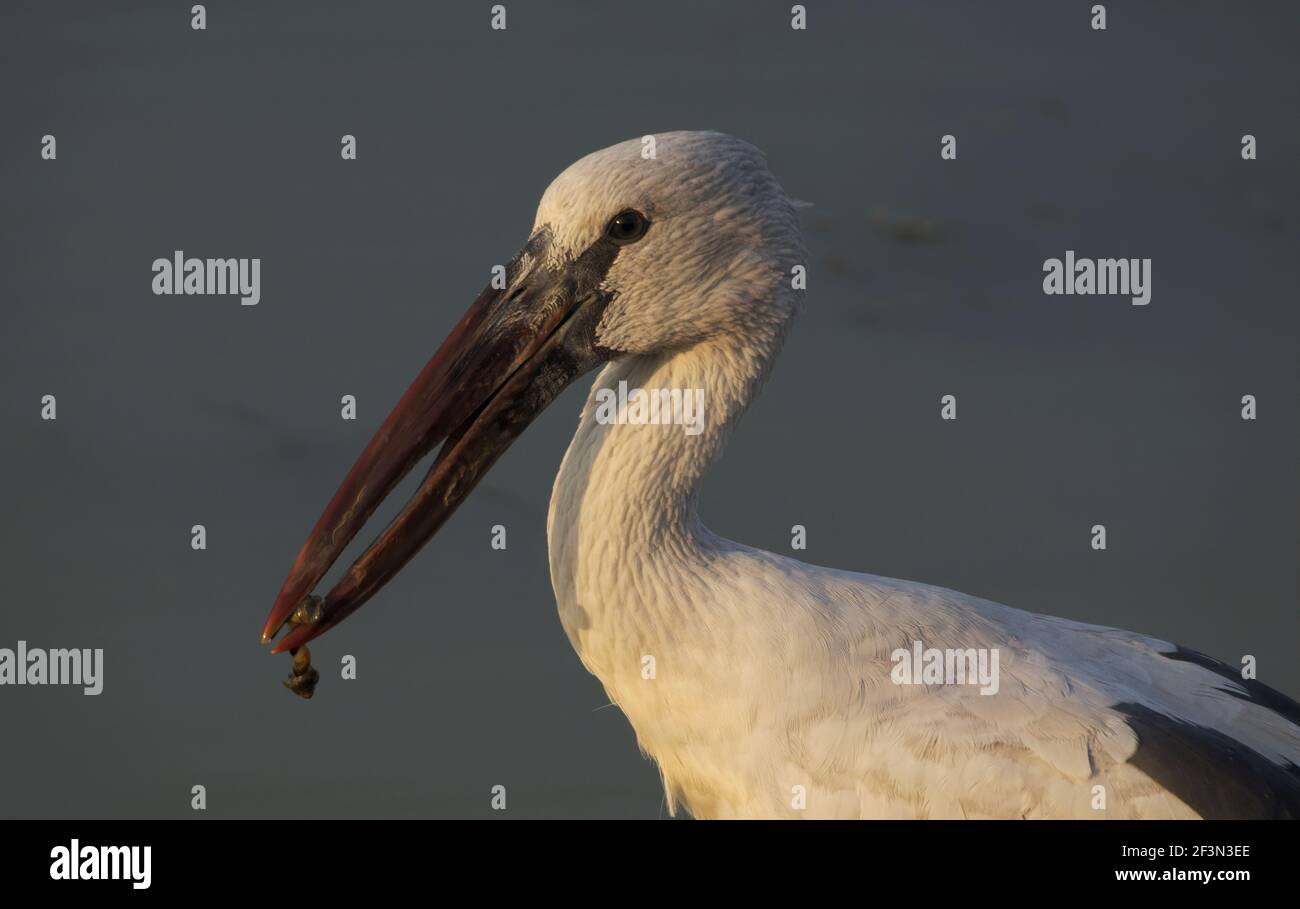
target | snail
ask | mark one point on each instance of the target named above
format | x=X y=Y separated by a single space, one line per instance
x=302 y=681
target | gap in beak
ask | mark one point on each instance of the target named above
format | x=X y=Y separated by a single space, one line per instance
x=384 y=513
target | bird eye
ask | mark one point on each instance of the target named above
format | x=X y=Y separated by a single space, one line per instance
x=627 y=227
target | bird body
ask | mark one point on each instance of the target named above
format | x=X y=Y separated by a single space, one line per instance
x=771 y=674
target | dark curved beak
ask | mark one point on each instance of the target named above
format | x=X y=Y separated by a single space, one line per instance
x=511 y=354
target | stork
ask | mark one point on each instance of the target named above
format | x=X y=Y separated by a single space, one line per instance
x=778 y=688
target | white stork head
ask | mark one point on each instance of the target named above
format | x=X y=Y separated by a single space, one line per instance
x=720 y=235
x=631 y=253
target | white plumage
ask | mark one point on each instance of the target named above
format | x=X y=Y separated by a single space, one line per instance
x=772 y=693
